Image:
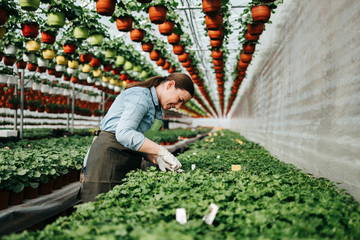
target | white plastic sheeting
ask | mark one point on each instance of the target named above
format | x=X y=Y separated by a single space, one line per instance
x=301 y=97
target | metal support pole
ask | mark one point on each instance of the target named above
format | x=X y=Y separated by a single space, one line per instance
x=103 y=104
x=15 y=111
x=72 y=109
x=67 y=116
x=22 y=104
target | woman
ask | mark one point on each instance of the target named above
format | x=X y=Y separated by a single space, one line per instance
x=121 y=143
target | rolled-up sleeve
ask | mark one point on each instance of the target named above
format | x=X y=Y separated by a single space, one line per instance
x=136 y=107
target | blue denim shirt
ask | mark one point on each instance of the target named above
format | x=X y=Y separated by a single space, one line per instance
x=131 y=114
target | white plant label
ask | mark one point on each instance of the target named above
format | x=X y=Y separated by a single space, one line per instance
x=193 y=166
x=181 y=215
x=210 y=217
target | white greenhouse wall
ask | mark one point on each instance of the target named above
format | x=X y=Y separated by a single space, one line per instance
x=301 y=97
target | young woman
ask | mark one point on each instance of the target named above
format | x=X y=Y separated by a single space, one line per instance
x=121 y=143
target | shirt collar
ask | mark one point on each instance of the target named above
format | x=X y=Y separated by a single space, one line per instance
x=154 y=96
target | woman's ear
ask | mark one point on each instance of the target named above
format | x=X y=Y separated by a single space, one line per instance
x=170 y=84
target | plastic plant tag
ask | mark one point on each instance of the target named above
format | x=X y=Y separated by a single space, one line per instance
x=210 y=217
x=235 y=168
x=181 y=215
x=193 y=166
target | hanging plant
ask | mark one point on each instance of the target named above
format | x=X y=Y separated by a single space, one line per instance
x=96 y=61
x=137 y=35
x=157 y=14
x=213 y=22
x=31 y=66
x=48 y=34
x=105 y=7
x=178 y=49
x=123 y=18
x=174 y=39
x=12 y=42
x=167 y=27
x=56 y=13
x=147 y=46
x=249 y=48
x=245 y=57
x=33 y=45
x=29 y=5
x=9 y=60
x=48 y=51
x=110 y=48
x=7 y=8
x=29 y=25
x=61 y=59
x=211 y=6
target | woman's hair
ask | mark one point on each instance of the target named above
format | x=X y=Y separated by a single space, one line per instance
x=182 y=81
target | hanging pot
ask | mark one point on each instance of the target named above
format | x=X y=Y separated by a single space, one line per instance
x=69 y=48
x=124 y=23
x=29 y=5
x=218 y=62
x=242 y=66
x=41 y=69
x=56 y=19
x=70 y=70
x=128 y=65
x=82 y=76
x=157 y=14
x=74 y=79
x=105 y=7
x=160 y=61
x=178 y=49
x=261 y=13
x=107 y=67
x=96 y=39
x=167 y=27
x=81 y=32
x=67 y=77
x=73 y=64
x=216 y=43
x=33 y=46
x=187 y=63
x=3 y=16
x=123 y=77
x=216 y=34
x=86 y=68
x=51 y=71
x=120 y=60
x=251 y=38
x=171 y=69
x=48 y=54
x=85 y=58
x=213 y=22
x=137 y=35
x=10 y=49
x=90 y=80
x=183 y=57
x=174 y=39
x=154 y=55
x=2 y=31
x=255 y=28
x=95 y=62
x=9 y=60
x=137 y=68
x=211 y=6
x=21 y=64
x=48 y=37
x=30 y=30
x=166 y=66
x=60 y=68
x=42 y=62
x=249 y=48
x=147 y=46
x=116 y=71
x=31 y=66
x=216 y=54
x=110 y=53
x=245 y=57
x=61 y=60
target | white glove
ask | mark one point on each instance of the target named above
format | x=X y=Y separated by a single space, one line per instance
x=168 y=161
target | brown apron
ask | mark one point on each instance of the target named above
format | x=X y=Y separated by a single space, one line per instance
x=107 y=164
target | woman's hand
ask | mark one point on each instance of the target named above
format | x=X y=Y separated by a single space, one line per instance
x=151 y=158
x=167 y=160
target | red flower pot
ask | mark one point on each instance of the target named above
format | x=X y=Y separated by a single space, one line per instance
x=157 y=14
x=255 y=28
x=95 y=63
x=245 y=57
x=30 y=30
x=124 y=23
x=51 y=72
x=219 y=68
x=160 y=61
x=137 y=35
x=166 y=66
x=183 y=57
x=147 y=46
x=261 y=13
x=31 y=193
x=4 y=199
x=218 y=62
x=171 y=69
x=46 y=188
x=69 y=48
x=16 y=198
x=9 y=60
x=105 y=7
x=213 y=22
x=107 y=67
x=48 y=37
x=167 y=27
x=3 y=16
x=116 y=71
x=216 y=54
x=178 y=49
x=249 y=48
x=154 y=55
x=74 y=79
x=21 y=64
x=123 y=77
x=41 y=69
x=216 y=34
x=85 y=58
x=251 y=38
x=216 y=43
x=174 y=38
x=242 y=66
x=31 y=66
x=58 y=74
x=187 y=63
x=67 y=77
x=211 y=6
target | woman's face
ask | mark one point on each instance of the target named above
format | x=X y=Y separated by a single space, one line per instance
x=174 y=97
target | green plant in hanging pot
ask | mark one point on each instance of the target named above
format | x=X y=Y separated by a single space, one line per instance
x=56 y=13
x=110 y=48
x=12 y=42
x=123 y=17
x=29 y=5
x=97 y=35
x=158 y=9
